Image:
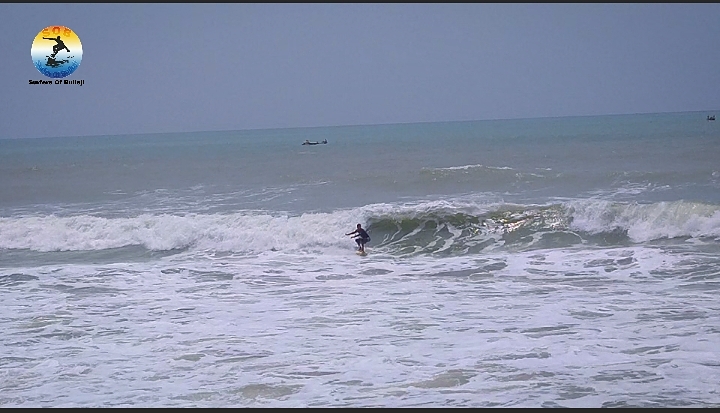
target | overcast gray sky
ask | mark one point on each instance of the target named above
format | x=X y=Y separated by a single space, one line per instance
x=199 y=67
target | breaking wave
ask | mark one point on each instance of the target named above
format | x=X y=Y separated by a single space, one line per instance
x=439 y=227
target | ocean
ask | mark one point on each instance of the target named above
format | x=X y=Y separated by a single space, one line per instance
x=556 y=262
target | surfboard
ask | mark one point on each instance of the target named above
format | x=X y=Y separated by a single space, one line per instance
x=361 y=253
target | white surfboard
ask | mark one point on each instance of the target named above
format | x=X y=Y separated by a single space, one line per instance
x=361 y=253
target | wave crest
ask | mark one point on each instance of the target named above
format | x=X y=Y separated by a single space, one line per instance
x=438 y=227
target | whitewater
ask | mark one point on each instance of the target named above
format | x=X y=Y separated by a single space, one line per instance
x=562 y=262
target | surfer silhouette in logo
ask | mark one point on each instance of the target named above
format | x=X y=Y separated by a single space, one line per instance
x=59 y=46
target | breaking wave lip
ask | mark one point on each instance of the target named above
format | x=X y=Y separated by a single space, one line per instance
x=456 y=226
x=479 y=168
x=564 y=224
x=491 y=176
x=466 y=167
x=647 y=222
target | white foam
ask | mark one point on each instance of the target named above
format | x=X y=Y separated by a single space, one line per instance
x=256 y=231
x=644 y=222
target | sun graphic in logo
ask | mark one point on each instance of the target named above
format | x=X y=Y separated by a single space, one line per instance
x=56 y=51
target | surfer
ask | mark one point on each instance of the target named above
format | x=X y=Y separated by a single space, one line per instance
x=59 y=46
x=361 y=237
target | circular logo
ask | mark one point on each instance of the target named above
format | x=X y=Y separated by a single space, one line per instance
x=56 y=51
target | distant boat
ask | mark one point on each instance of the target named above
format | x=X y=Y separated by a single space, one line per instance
x=307 y=142
x=711 y=117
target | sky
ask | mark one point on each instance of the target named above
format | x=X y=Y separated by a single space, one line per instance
x=156 y=68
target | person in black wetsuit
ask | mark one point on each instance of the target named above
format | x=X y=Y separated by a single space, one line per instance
x=361 y=237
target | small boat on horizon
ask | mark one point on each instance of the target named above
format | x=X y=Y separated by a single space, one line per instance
x=711 y=117
x=307 y=142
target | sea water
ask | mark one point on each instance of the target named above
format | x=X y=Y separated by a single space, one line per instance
x=564 y=262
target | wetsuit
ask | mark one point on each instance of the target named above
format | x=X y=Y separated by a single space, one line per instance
x=362 y=237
